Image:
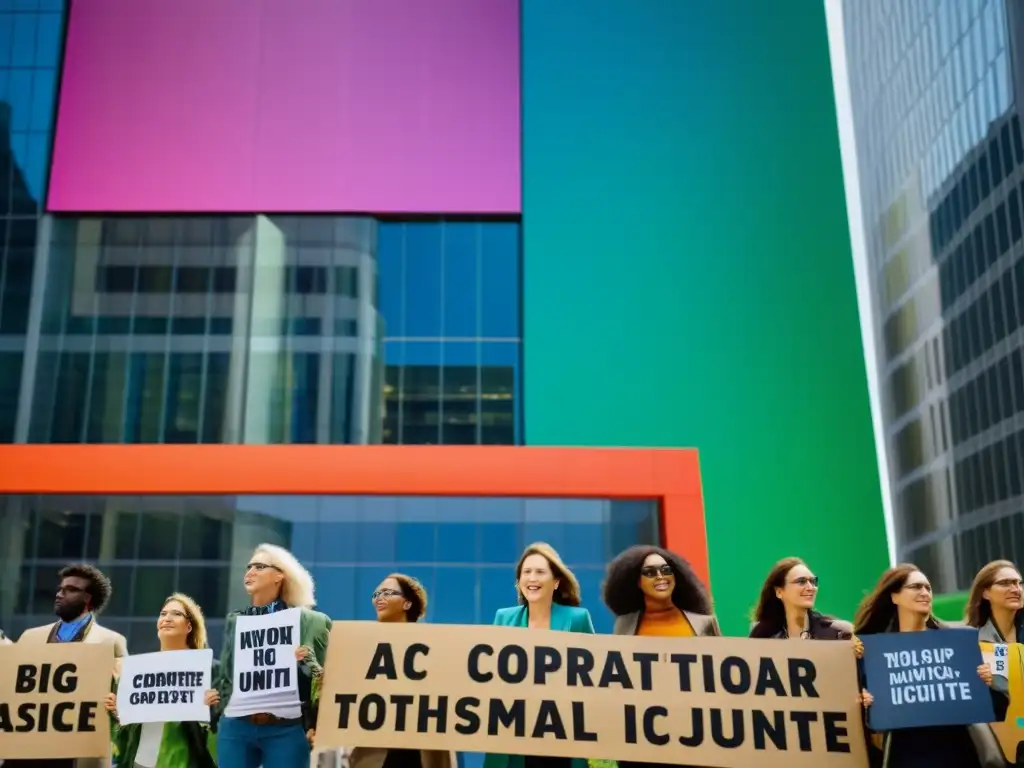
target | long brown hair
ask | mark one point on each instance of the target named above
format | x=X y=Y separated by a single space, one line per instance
x=568 y=590
x=877 y=612
x=196 y=639
x=770 y=614
x=979 y=610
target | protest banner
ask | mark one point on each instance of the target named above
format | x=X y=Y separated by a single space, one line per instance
x=265 y=666
x=924 y=679
x=51 y=700
x=724 y=702
x=165 y=687
x=1010 y=732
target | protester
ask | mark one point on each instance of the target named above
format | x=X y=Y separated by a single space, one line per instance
x=653 y=592
x=548 y=597
x=785 y=608
x=180 y=626
x=995 y=602
x=82 y=594
x=400 y=599
x=902 y=602
x=275 y=581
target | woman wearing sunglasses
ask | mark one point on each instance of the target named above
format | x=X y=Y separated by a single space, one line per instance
x=785 y=608
x=655 y=593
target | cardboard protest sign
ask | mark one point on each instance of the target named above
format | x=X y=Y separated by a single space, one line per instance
x=924 y=679
x=1010 y=732
x=724 y=702
x=266 y=672
x=51 y=700
x=165 y=687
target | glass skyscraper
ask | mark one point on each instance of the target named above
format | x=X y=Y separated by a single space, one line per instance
x=936 y=93
x=330 y=323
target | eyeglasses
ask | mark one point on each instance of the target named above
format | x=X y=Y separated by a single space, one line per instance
x=260 y=567
x=652 y=571
x=384 y=593
x=918 y=587
x=172 y=614
x=804 y=581
x=1008 y=583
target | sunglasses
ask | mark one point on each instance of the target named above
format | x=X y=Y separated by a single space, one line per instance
x=260 y=567
x=384 y=593
x=804 y=581
x=653 y=571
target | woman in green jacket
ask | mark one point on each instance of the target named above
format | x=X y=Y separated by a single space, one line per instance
x=179 y=627
x=548 y=597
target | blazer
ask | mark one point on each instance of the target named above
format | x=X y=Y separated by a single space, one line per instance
x=703 y=626
x=96 y=634
x=564 y=618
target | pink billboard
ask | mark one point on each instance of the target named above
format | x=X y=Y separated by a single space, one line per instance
x=367 y=106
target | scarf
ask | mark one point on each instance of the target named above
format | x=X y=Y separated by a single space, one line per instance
x=263 y=610
x=78 y=637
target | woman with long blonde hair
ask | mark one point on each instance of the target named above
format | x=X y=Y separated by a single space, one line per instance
x=180 y=626
x=274 y=581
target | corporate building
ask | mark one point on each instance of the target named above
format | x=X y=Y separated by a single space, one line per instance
x=416 y=223
x=936 y=93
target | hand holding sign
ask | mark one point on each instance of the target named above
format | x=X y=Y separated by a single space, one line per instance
x=926 y=678
x=985 y=673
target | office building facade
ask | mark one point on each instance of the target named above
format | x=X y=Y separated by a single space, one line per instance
x=935 y=91
x=469 y=228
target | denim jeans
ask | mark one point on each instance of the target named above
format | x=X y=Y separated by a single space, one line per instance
x=243 y=744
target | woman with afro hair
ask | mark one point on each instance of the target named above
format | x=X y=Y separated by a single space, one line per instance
x=655 y=593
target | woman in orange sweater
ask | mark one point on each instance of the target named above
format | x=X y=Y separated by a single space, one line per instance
x=655 y=593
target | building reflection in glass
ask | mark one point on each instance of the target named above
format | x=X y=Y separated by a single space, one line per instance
x=464 y=550
x=935 y=90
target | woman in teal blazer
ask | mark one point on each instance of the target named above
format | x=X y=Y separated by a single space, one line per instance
x=548 y=597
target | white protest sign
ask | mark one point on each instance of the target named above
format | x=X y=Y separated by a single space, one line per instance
x=998 y=659
x=266 y=673
x=165 y=687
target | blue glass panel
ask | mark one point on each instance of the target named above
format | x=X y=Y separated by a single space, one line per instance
x=366 y=580
x=461 y=353
x=337 y=535
x=456 y=543
x=499 y=353
x=590 y=580
x=423 y=280
x=453 y=597
x=45 y=83
x=37 y=151
x=461 y=256
x=378 y=538
x=500 y=542
x=48 y=40
x=305 y=541
x=421 y=353
x=499 y=280
x=19 y=95
x=335 y=594
x=391 y=277
x=394 y=352
x=497 y=590
x=23 y=42
x=415 y=542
